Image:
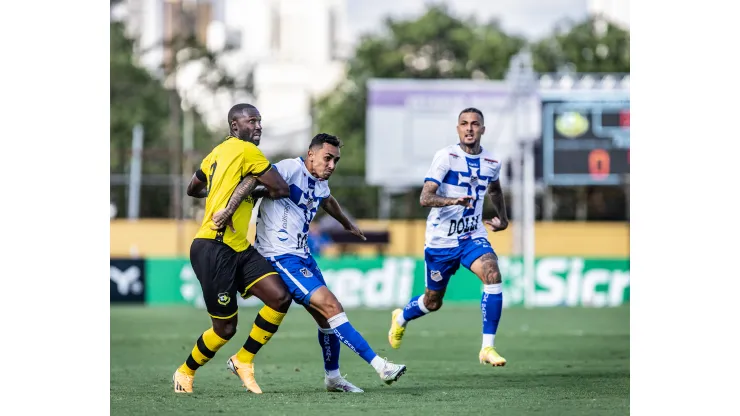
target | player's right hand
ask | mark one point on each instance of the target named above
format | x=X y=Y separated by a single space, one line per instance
x=466 y=201
x=221 y=219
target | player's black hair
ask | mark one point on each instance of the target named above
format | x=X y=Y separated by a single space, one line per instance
x=238 y=110
x=472 y=110
x=321 y=138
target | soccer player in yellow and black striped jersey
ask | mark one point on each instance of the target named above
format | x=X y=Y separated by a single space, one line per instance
x=222 y=258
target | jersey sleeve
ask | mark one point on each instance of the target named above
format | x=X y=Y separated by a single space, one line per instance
x=285 y=168
x=205 y=164
x=439 y=168
x=255 y=162
x=496 y=172
x=325 y=191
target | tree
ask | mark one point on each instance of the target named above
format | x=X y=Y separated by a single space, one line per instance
x=136 y=97
x=149 y=98
x=594 y=45
x=435 y=45
x=439 y=45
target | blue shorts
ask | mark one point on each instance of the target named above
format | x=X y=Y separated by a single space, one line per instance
x=441 y=263
x=302 y=276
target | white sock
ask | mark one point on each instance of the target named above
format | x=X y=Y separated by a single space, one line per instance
x=488 y=340
x=332 y=373
x=493 y=289
x=337 y=320
x=400 y=320
x=378 y=364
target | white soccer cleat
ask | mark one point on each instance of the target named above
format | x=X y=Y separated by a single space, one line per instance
x=341 y=384
x=391 y=372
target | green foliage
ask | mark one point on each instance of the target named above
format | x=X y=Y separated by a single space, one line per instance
x=138 y=97
x=432 y=46
x=135 y=97
x=440 y=45
x=589 y=46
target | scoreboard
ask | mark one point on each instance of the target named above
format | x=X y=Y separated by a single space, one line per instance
x=585 y=137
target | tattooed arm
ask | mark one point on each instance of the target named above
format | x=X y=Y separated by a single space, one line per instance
x=222 y=217
x=500 y=218
x=430 y=199
x=242 y=191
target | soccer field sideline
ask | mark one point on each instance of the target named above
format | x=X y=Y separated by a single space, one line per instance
x=561 y=361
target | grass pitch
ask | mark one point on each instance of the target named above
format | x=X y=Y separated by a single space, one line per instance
x=561 y=361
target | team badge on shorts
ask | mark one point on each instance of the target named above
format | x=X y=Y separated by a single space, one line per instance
x=224 y=298
x=436 y=275
x=306 y=273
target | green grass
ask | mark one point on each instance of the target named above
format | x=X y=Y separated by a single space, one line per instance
x=563 y=361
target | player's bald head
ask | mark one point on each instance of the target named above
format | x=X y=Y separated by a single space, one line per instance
x=241 y=110
x=245 y=122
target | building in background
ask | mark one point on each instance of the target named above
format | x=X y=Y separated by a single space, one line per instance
x=292 y=51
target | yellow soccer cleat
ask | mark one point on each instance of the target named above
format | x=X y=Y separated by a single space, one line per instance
x=183 y=382
x=489 y=355
x=396 y=333
x=245 y=373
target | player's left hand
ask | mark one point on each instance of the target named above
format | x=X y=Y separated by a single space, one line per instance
x=356 y=231
x=221 y=219
x=497 y=224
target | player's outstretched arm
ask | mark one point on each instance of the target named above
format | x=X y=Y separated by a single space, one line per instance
x=430 y=199
x=197 y=186
x=500 y=218
x=331 y=206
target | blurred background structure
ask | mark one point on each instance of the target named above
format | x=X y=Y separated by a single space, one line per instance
x=389 y=78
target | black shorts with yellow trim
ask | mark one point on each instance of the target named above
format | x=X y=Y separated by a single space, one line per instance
x=223 y=273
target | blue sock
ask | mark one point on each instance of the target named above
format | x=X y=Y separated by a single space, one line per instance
x=414 y=309
x=347 y=335
x=330 y=347
x=491 y=304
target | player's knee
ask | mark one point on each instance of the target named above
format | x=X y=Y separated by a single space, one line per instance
x=493 y=277
x=331 y=309
x=432 y=303
x=225 y=329
x=282 y=302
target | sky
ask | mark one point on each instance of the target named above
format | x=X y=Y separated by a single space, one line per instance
x=531 y=18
